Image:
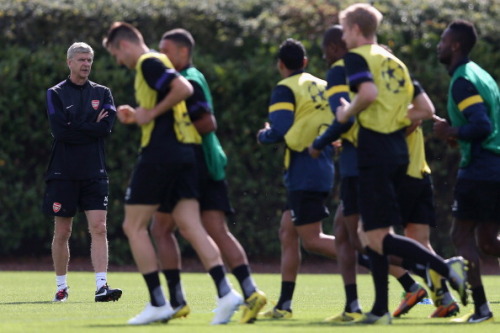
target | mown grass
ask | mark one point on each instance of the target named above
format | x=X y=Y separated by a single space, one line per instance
x=25 y=306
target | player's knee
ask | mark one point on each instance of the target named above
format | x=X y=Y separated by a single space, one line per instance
x=62 y=235
x=128 y=228
x=283 y=233
x=311 y=245
x=98 y=229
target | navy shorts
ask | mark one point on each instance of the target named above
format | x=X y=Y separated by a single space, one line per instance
x=378 y=197
x=349 y=195
x=162 y=184
x=477 y=200
x=416 y=200
x=66 y=197
x=307 y=206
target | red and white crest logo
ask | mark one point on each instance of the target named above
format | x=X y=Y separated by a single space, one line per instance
x=95 y=104
x=56 y=207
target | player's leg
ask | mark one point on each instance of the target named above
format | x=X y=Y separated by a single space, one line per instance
x=346 y=259
x=379 y=208
x=162 y=231
x=315 y=241
x=487 y=240
x=475 y=228
x=464 y=238
x=475 y=203
x=235 y=256
x=308 y=210
x=289 y=266
x=416 y=199
x=148 y=187
x=187 y=217
x=214 y=221
x=215 y=208
x=135 y=226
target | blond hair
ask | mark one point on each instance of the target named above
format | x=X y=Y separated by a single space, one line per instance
x=366 y=16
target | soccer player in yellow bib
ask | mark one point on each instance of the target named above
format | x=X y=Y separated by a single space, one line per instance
x=383 y=91
x=178 y=45
x=299 y=112
x=165 y=172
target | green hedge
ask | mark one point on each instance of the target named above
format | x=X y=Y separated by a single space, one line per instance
x=236 y=46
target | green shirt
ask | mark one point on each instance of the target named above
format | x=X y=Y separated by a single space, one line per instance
x=215 y=158
x=489 y=94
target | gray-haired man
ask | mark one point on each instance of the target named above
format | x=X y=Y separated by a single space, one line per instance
x=81 y=114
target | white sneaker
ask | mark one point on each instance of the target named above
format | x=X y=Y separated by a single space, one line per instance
x=226 y=307
x=152 y=313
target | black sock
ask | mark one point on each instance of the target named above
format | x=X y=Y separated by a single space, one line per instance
x=242 y=274
x=407 y=282
x=155 y=293
x=380 y=274
x=409 y=249
x=479 y=297
x=286 y=295
x=218 y=274
x=444 y=286
x=364 y=260
x=173 y=277
x=418 y=269
x=351 y=296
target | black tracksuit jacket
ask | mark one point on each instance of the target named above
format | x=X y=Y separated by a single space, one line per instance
x=78 y=146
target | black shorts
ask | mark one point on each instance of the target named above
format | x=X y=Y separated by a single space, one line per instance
x=477 y=200
x=307 y=206
x=66 y=197
x=215 y=196
x=416 y=200
x=162 y=184
x=349 y=195
x=378 y=198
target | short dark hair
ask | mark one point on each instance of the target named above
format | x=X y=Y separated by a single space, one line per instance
x=333 y=35
x=180 y=36
x=464 y=33
x=292 y=54
x=122 y=31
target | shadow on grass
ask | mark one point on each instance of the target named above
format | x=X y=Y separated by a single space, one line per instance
x=155 y=324
x=39 y=302
x=400 y=322
x=20 y=303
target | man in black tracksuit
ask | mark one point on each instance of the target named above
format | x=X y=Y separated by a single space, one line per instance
x=81 y=114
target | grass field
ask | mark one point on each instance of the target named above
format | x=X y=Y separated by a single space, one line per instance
x=25 y=306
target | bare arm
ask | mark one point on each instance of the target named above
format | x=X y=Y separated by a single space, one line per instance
x=180 y=89
x=422 y=108
x=367 y=93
